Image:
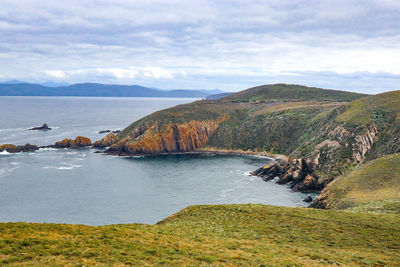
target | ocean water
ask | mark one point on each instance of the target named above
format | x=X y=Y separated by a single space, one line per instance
x=83 y=187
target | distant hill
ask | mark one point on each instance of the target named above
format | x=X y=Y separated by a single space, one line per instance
x=12 y=82
x=14 y=88
x=218 y=96
x=53 y=84
x=292 y=92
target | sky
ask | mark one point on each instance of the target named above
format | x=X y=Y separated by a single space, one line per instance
x=229 y=45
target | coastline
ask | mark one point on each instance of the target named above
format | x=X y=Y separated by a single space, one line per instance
x=206 y=151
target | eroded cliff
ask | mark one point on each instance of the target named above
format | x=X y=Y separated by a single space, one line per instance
x=150 y=139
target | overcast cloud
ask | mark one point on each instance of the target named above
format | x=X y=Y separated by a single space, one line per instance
x=230 y=45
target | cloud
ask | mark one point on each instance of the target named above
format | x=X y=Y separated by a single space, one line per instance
x=200 y=44
x=58 y=74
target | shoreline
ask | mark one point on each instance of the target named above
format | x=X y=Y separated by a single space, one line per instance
x=221 y=152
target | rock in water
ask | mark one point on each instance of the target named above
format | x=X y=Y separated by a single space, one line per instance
x=44 y=127
x=16 y=149
x=104 y=131
x=308 y=199
x=298 y=172
x=79 y=142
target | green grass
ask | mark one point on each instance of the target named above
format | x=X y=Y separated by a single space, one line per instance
x=293 y=92
x=373 y=186
x=373 y=109
x=222 y=235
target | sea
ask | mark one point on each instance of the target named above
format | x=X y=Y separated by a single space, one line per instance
x=84 y=187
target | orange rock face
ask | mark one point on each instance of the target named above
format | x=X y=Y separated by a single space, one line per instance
x=173 y=138
x=7 y=147
x=79 y=141
x=106 y=141
x=15 y=149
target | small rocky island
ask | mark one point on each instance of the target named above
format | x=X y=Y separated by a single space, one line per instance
x=78 y=142
x=44 y=127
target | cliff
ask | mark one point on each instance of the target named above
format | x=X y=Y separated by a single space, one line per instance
x=339 y=140
x=172 y=137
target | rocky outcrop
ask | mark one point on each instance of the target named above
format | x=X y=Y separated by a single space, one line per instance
x=150 y=139
x=79 y=142
x=321 y=201
x=308 y=199
x=16 y=149
x=106 y=141
x=299 y=173
x=363 y=143
x=44 y=127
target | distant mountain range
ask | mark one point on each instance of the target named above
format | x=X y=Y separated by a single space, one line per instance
x=17 y=88
x=219 y=96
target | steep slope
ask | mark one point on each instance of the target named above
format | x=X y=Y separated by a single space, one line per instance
x=223 y=235
x=336 y=140
x=373 y=186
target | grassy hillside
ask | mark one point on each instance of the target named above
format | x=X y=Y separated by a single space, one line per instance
x=373 y=187
x=383 y=111
x=293 y=92
x=223 y=235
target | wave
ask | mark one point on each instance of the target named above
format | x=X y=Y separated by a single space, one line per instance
x=4 y=153
x=69 y=167
x=11 y=129
x=47 y=149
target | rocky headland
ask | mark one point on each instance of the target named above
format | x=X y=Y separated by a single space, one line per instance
x=323 y=133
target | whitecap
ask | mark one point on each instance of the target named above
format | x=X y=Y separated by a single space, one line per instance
x=11 y=129
x=247 y=173
x=4 y=152
x=47 y=149
x=69 y=167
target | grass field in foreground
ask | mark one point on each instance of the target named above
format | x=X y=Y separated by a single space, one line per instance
x=255 y=235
